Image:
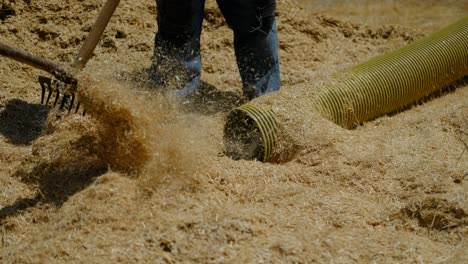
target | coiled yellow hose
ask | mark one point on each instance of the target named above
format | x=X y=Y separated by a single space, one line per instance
x=379 y=86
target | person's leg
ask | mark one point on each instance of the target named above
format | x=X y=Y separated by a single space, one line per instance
x=255 y=42
x=177 y=58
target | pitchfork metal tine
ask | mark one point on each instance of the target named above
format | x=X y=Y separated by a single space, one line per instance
x=77 y=107
x=45 y=85
x=63 y=101
x=56 y=98
x=42 y=94
x=48 y=96
x=71 y=103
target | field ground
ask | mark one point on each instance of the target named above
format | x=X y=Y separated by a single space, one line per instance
x=142 y=177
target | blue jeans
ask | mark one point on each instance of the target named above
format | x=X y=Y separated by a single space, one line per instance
x=177 y=44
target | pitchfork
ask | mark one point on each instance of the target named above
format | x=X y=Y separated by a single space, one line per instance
x=64 y=83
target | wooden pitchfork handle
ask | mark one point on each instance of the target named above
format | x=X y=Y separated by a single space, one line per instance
x=35 y=61
x=84 y=54
x=87 y=49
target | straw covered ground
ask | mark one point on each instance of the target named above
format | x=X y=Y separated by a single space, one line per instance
x=143 y=178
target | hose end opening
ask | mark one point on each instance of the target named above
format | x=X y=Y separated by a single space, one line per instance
x=250 y=133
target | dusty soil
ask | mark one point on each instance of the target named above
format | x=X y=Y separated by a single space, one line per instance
x=143 y=178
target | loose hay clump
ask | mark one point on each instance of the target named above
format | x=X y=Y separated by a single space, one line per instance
x=120 y=125
x=140 y=135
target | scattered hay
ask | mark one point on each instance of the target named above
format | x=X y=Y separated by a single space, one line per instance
x=141 y=135
x=437 y=214
x=121 y=126
x=330 y=200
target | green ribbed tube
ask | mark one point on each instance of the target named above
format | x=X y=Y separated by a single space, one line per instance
x=390 y=82
x=379 y=86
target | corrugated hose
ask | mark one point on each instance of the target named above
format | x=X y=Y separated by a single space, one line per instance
x=382 y=85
